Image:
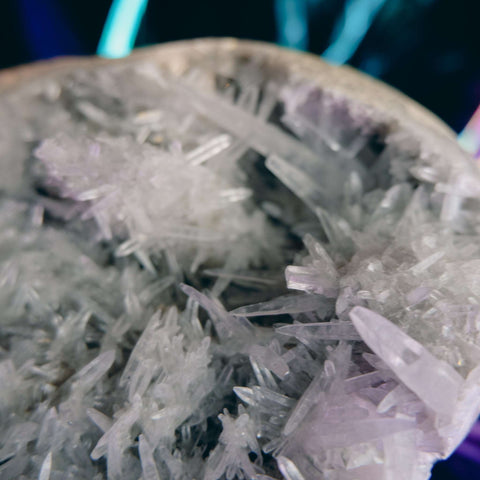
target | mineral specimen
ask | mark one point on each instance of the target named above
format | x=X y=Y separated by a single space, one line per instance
x=229 y=267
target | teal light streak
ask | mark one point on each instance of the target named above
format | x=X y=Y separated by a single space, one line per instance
x=121 y=28
x=352 y=28
x=292 y=22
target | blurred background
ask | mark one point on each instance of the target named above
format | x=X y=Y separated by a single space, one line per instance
x=429 y=49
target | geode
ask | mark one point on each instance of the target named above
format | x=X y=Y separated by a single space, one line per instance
x=222 y=260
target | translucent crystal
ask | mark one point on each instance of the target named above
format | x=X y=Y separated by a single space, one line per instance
x=218 y=269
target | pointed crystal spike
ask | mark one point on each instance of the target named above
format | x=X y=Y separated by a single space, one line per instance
x=434 y=381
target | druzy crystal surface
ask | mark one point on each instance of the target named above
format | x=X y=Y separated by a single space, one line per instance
x=228 y=271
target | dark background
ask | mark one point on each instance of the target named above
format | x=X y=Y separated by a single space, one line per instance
x=429 y=49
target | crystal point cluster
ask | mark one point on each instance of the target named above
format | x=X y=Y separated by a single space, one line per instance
x=231 y=273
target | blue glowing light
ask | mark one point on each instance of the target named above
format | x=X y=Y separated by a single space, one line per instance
x=46 y=32
x=292 y=21
x=121 y=28
x=351 y=29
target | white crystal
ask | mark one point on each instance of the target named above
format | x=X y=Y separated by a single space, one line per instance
x=46 y=468
x=153 y=280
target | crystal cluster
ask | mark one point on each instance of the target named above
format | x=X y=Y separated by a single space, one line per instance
x=230 y=272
